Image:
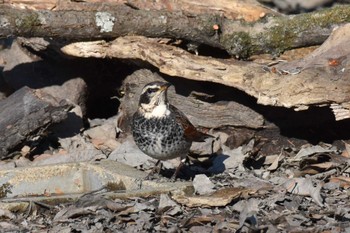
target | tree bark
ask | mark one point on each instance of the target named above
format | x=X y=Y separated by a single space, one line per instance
x=270 y=35
x=25 y=114
x=248 y=10
x=312 y=86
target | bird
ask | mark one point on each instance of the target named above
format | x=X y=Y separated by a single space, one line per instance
x=159 y=129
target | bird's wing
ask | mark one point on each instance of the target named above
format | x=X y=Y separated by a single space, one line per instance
x=191 y=133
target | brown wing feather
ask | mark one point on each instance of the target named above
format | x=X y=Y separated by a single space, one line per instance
x=191 y=133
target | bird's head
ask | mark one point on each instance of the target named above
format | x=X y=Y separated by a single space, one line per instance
x=153 y=100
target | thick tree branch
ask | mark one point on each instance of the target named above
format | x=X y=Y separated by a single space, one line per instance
x=271 y=35
x=309 y=87
x=248 y=10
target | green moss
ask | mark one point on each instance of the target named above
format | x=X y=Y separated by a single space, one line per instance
x=284 y=35
x=335 y=15
x=27 y=23
x=238 y=44
x=207 y=23
x=278 y=38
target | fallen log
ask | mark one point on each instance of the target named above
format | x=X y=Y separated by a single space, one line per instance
x=26 y=114
x=271 y=35
x=248 y=10
x=312 y=86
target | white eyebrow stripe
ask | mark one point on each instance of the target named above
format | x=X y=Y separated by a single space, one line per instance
x=149 y=87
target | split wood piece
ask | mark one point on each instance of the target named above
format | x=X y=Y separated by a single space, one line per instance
x=249 y=10
x=25 y=114
x=271 y=35
x=312 y=86
x=200 y=113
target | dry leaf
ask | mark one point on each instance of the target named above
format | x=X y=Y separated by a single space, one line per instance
x=202 y=184
x=269 y=159
x=343 y=180
x=221 y=197
x=274 y=164
x=321 y=162
x=229 y=159
x=346 y=151
x=203 y=220
x=311 y=150
x=249 y=211
x=305 y=187
x=166 y=204
x=317 y=168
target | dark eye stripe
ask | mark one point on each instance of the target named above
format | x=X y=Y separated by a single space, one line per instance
x=151 y=90
x=144 y=99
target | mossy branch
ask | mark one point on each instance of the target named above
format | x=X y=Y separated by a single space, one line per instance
x=269 y=35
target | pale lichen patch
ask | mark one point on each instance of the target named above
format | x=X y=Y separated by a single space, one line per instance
x=105 y=21
x=4 y=22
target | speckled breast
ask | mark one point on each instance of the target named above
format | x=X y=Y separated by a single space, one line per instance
x=159 y=138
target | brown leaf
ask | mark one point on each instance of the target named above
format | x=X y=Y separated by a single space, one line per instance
x=221 y=197
x=203 y=220
x=317 y=168
x=346 y=151
x=343 y=180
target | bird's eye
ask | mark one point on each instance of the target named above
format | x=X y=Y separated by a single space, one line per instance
x=152 y=90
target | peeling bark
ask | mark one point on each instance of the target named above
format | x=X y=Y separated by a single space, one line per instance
x=312 y=86
x=248 y=10
x=270 y=35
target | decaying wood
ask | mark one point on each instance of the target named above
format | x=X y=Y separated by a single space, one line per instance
x=248 y=10
x=200 y=113
x=272 y=35
x=25 y=114
x=313 y=86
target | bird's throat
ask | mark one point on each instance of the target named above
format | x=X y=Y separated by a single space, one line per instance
x=158 y=111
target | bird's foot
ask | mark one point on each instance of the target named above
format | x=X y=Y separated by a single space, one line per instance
x=155 y=170
x=174 y=176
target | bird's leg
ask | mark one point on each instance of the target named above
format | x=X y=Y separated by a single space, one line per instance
x=156 y=169
x=182 y=162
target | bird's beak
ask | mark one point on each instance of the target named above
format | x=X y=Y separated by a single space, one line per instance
x=165 y=86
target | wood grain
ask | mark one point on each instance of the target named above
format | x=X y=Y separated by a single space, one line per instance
x=311 y=87
x=26 y=114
